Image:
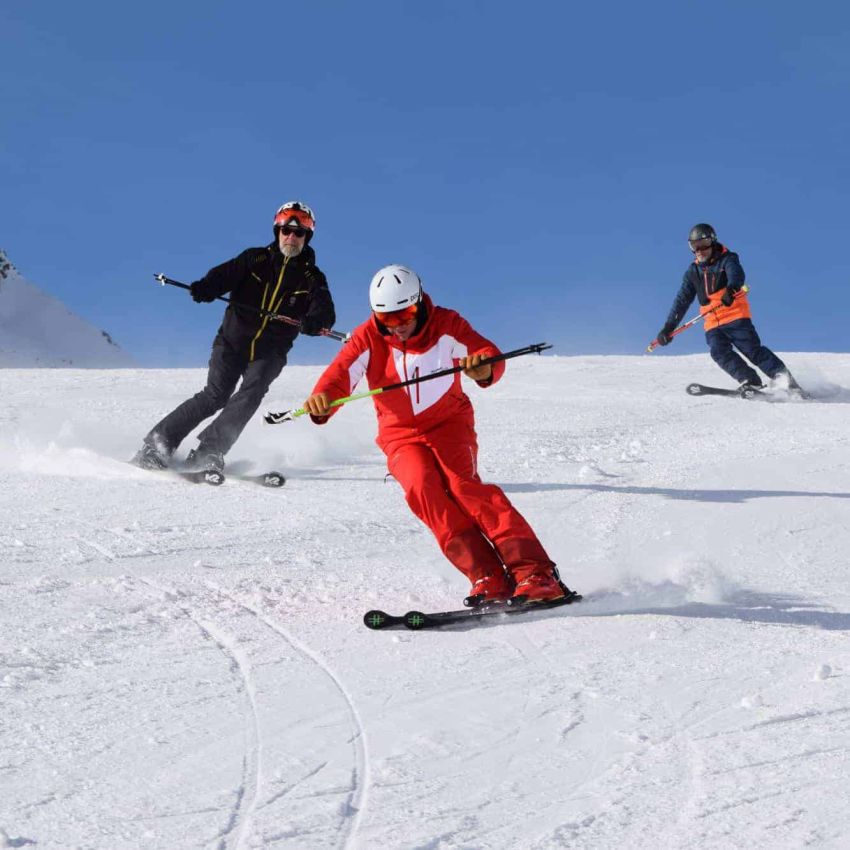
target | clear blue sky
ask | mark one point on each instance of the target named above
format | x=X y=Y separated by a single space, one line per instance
x=539 y=164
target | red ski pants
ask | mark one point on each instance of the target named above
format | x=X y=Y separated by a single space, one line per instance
x=476 y=526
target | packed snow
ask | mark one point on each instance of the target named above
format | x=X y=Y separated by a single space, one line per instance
x=38 y=330
x=185 y=666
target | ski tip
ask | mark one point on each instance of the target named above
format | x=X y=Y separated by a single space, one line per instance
x=273 y=479
x=376 y=619
x=415 y=620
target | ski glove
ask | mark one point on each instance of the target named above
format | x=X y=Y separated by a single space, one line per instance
x=664 y=337
x=199 y=294
x=311 y=325
x=728 y=296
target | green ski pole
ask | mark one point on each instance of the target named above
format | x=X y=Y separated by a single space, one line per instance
x=289 y=415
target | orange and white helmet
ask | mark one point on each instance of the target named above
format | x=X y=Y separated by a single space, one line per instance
x=297 y=212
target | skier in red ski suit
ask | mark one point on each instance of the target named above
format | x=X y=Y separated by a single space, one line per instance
x=427 y=433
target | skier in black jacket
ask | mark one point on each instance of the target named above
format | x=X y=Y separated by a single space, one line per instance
x=279 y=278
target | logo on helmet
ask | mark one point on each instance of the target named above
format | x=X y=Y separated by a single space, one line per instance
x=394 y=288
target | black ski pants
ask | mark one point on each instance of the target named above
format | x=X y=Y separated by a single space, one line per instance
x=226 y=367
x=741 y=334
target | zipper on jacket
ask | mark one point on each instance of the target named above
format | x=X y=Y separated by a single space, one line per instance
x=265 y=320
x=404 y=363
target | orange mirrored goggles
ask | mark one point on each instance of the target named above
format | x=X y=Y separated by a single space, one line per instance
x=397 y=318
x=302 y=217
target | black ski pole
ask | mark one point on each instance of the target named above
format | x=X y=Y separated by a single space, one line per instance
x=289 y=415
x=287 y=320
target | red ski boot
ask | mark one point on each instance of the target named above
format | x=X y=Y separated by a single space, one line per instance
x=490 y=588
x=538 y=587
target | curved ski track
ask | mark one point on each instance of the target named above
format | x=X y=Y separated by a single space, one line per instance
x=360 y=775
x=241 y=817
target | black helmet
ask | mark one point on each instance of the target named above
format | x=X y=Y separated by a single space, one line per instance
x=701 y=231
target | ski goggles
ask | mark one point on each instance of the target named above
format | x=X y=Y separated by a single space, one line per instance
x=397 y=318
x=299 y=214
x=701 y=245
x=300 y=232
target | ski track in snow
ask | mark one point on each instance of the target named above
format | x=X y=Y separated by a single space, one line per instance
x=357 y=799
x=240 y=820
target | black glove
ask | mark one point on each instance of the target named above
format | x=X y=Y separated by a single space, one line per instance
x=199 y=293
x=312 y=325
x=728 y=296
x=664 y=337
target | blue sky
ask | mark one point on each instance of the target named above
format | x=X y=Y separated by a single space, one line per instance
x=539 y=164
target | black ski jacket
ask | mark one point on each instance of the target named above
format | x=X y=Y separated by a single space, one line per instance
x=264 y=279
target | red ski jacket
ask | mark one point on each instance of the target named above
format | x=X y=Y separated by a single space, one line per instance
x=414 y=411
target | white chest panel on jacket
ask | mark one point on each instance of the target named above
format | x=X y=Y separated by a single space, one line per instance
x=435 y=359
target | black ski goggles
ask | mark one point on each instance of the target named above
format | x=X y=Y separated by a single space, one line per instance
x=701 y=245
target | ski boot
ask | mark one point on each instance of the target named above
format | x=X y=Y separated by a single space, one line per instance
x=794 y=389
x=489 y=588
x=204 y=460
x=539 y=587
x=147 y=457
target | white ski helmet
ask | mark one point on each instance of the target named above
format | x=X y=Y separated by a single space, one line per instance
x=394 y=288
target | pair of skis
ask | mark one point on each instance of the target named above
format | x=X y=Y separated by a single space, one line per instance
x=215 y=478
x=418 y=620
x=749 y=393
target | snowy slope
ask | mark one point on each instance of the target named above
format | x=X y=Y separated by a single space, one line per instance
x=37 y=330
x=185 y=667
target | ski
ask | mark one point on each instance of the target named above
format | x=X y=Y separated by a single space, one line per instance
x=745 y=392
x=213 y=477
x=271 y=479
x=418 y=620
x=202 y=476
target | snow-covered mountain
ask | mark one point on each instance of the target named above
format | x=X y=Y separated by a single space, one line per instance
x=184 y=666
x=37 y=330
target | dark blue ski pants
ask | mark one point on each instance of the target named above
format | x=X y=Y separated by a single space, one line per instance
x=741 y=334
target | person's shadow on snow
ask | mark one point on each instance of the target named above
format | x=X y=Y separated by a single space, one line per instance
x=744 y=605
x=734 y=496
x=747 y=606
